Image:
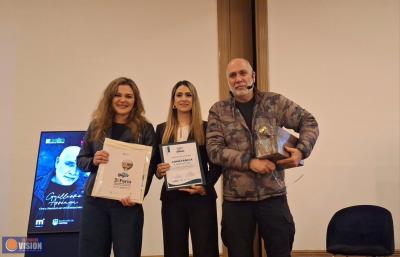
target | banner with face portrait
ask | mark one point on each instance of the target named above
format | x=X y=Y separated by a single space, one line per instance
x=58 y=189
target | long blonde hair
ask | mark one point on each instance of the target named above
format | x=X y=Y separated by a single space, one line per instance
x=103 y=116
x=196 y=124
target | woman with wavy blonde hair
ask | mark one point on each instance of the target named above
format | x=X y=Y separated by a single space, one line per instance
x=192 y=208
x=105 y=222
x=101 y=116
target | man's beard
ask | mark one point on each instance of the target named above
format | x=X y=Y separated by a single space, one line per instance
x=243 y=91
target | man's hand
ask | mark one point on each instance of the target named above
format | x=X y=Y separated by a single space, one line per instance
x=127 y=202
x=262 y=166
x=195 y=190
x=293 y=161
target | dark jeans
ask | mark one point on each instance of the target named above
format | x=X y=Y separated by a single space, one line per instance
x=199 y=214
x=274 y=220
x=105 y=222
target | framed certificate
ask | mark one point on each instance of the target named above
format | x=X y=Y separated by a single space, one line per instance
x=125 y=174
x=185 y=165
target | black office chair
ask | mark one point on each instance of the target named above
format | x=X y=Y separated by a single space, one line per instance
x=364 y=230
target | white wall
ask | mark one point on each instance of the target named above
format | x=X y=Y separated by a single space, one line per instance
x=340 y=60
x=56 y=58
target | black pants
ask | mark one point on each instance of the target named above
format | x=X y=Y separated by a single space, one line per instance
x=199 y=214
x=105 y=222
x=274 y=220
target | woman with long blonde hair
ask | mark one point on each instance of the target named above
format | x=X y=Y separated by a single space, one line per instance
x=106 y=223
x=192 y=208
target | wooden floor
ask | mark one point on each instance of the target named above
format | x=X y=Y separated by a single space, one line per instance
x=306 y=253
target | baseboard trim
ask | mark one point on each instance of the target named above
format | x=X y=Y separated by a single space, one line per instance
x=303 y=253
x=310 y=253
x=323 y=253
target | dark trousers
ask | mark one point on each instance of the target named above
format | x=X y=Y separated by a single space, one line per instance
x=275 y=224
x=105 y=222
x=199 y=214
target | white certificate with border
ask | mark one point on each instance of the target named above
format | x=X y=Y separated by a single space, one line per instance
x=185 y=165
x=125 y=173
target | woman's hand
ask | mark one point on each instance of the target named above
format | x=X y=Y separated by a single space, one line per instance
x=100 y=157
x=127 y=202
x=162 y=169
x=195 y=190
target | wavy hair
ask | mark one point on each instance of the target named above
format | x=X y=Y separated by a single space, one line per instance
x=196 y=124
x=103 y=116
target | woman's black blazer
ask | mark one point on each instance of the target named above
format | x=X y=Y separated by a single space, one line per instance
x=211 y=171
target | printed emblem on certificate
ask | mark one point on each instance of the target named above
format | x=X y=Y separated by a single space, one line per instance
x=125 y=174
x=185 y=165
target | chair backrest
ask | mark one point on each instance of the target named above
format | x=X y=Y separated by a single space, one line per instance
x=361 y=230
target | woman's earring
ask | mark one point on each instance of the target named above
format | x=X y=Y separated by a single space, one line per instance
x=173 y=106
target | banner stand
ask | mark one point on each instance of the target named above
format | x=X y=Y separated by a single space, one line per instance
x=57 y=197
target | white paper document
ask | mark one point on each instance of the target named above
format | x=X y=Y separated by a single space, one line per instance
x=125 y=174
x=185 y=166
